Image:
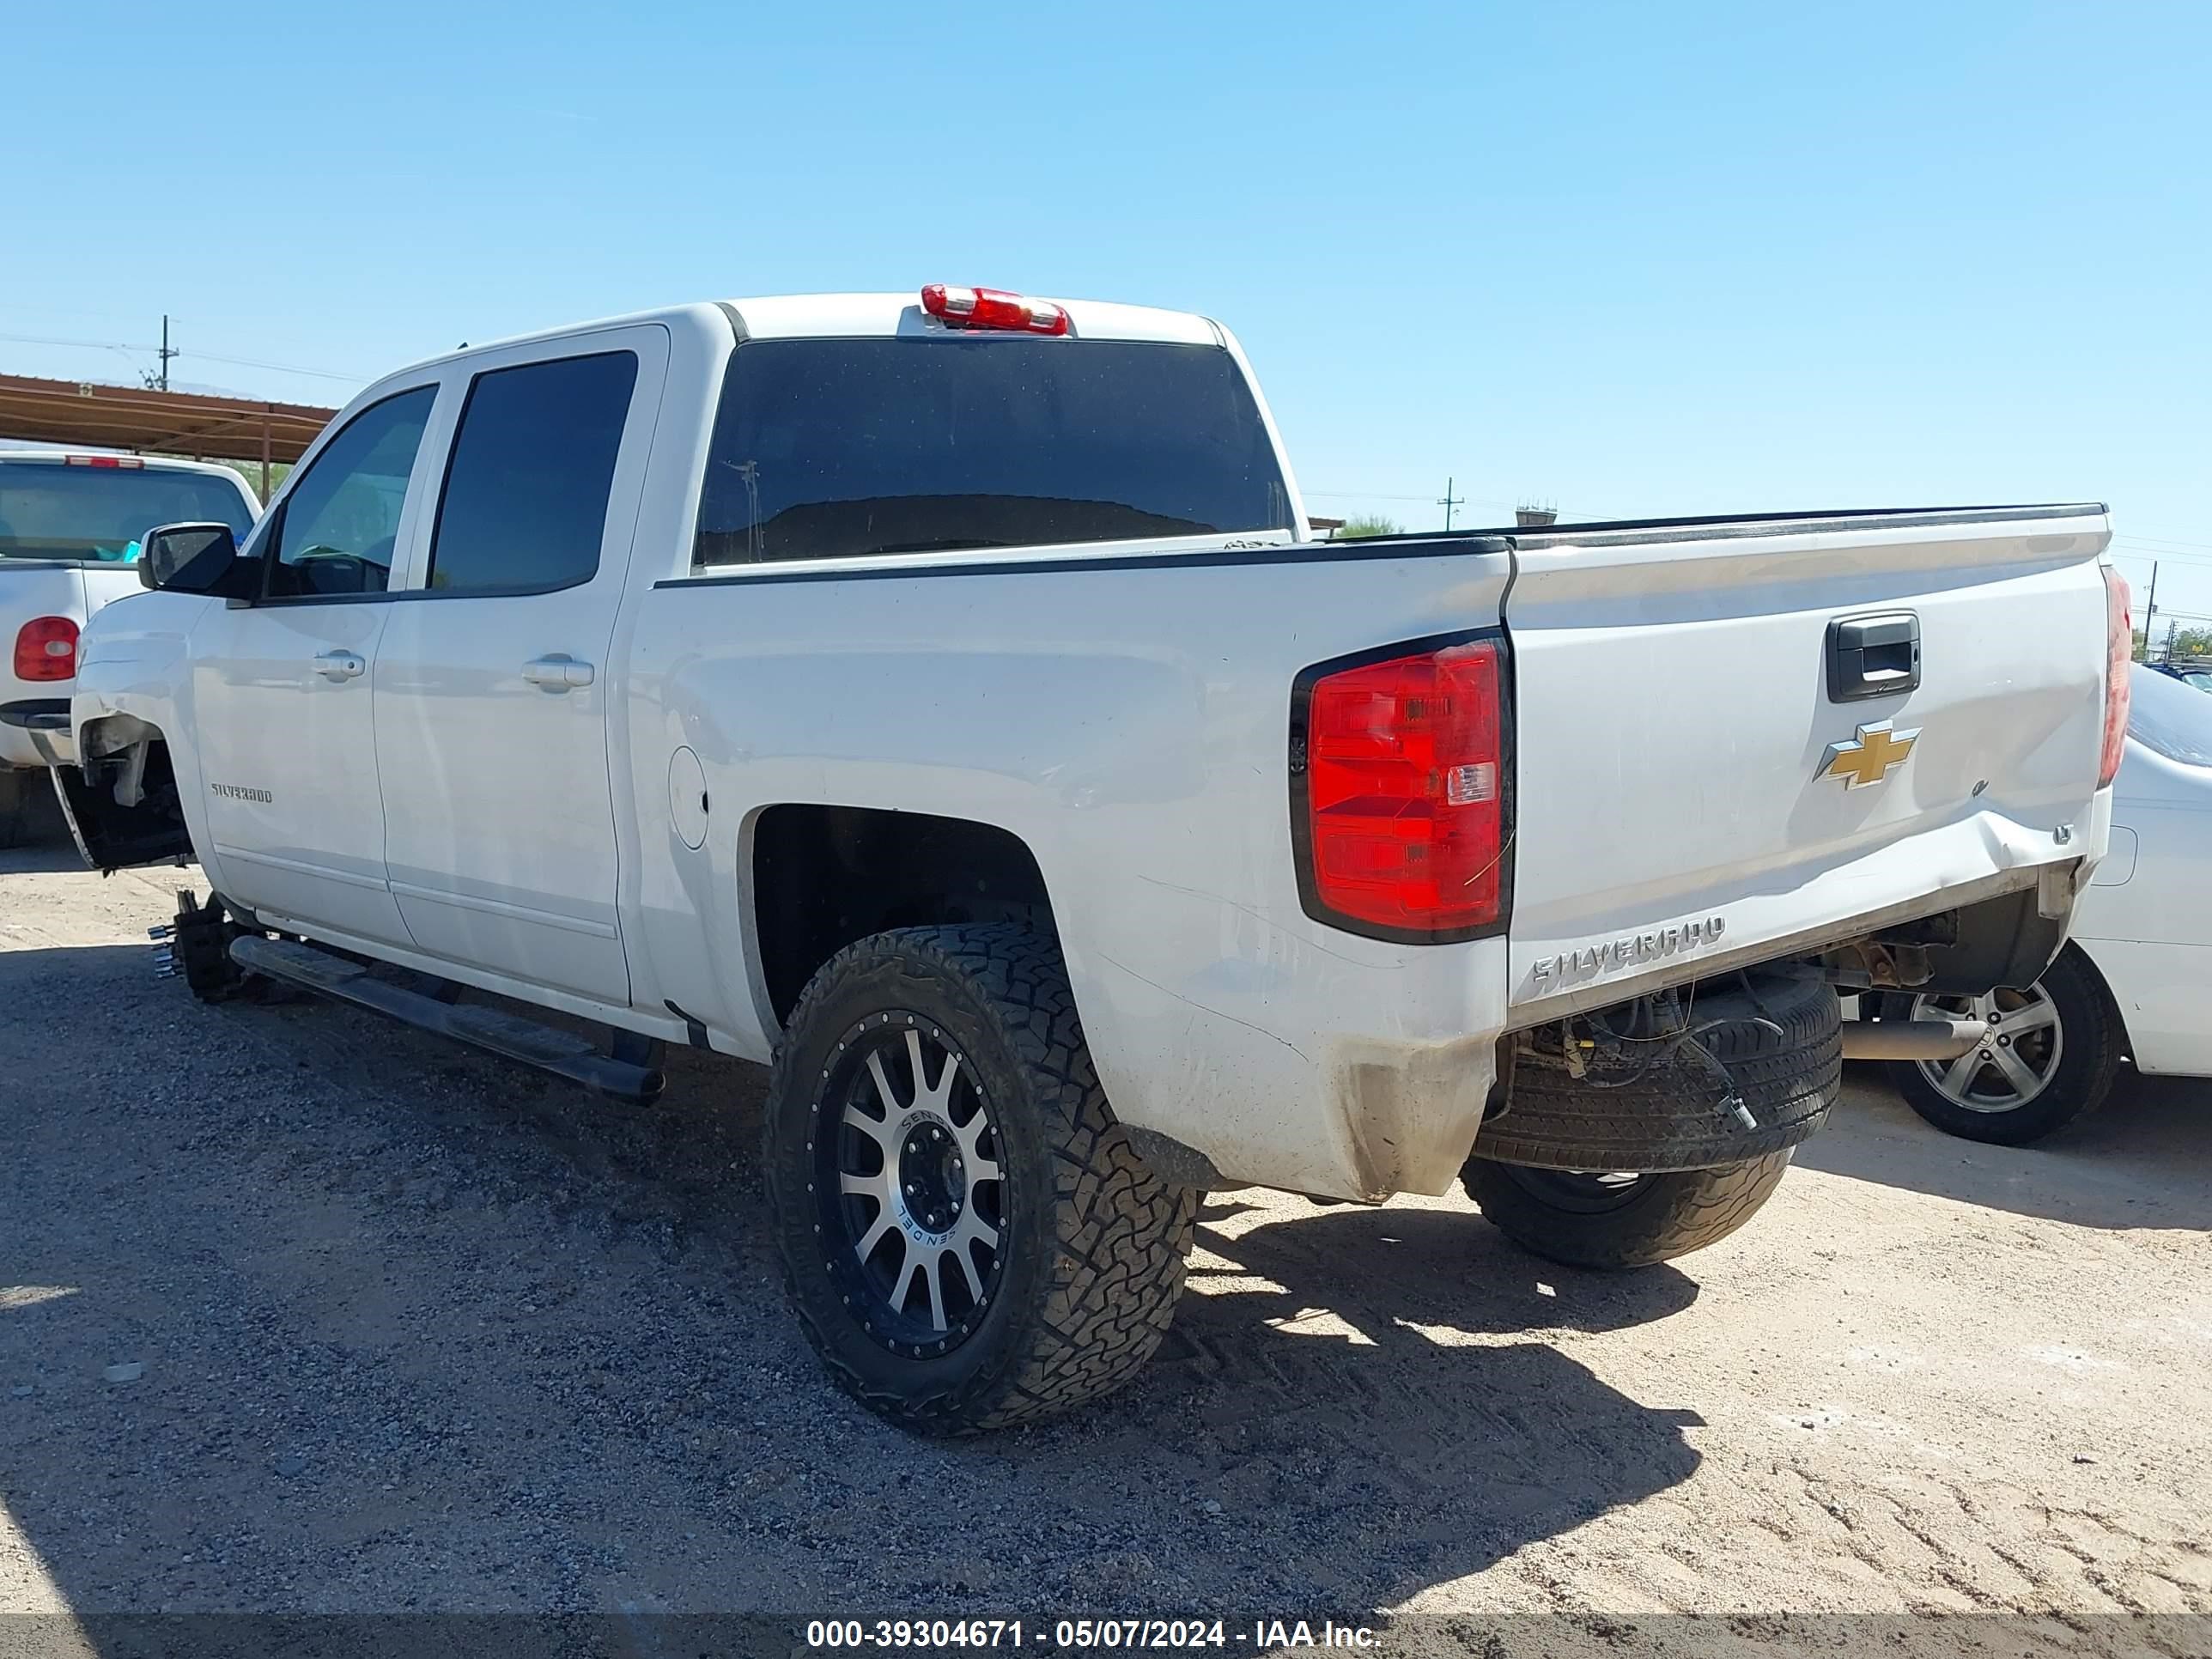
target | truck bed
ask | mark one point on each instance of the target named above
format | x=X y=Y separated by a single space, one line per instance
x=1124 y=711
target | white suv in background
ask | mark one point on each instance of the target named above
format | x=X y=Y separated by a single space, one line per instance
x=69 y=530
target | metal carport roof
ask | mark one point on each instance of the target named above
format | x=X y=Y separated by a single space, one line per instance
x=73 y=412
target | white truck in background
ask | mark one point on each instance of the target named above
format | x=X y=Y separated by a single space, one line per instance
x=69 y=530
x=942 y=699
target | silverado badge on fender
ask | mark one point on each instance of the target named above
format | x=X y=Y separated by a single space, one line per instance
x=1869 y=758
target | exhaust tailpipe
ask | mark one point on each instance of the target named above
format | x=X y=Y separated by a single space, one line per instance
x=1912 y=1039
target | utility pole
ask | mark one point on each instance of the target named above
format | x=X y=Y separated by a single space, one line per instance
x=2150 y=609
x=168 y=352
x=1447 y=501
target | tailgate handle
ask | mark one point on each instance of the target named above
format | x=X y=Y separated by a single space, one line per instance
x=1874 y=656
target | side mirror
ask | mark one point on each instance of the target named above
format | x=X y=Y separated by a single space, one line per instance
x=188 y=558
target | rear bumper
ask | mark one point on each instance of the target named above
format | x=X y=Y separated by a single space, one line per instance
x=49 y=717
x=1978 y=858
x=1357 y=1069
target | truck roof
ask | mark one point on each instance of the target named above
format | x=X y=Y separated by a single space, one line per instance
x=804 y=315
x=817 y=316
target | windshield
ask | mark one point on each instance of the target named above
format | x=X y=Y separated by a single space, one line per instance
x=50 y=510
x=840 y=448
x=2170 y=717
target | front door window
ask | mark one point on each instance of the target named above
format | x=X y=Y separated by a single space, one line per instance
x=341 y=518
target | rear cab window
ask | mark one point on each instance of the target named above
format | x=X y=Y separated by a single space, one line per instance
x=845 y=448
x=97 y=511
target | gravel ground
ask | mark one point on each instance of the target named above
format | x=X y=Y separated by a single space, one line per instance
x=303 y=1311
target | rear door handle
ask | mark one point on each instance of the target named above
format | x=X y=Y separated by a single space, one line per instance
x=340 y=666
x=557 y=672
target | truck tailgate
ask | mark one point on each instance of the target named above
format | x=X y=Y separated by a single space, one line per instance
x=1695 y=780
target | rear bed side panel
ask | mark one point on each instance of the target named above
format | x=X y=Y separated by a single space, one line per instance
x=1676 y=719
x=1128 y=720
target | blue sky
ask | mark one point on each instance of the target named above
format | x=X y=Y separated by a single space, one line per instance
x=1629 y=261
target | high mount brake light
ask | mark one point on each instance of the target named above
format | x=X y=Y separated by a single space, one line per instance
x=991 y=309
x=131 y=462
x=1400 y=782
x=46 y=649
x=2119 y=655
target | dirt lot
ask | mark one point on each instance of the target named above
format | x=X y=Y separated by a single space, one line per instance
x=300 y=1311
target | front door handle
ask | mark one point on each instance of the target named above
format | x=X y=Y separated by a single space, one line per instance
x=557 y=672
x=340 y=666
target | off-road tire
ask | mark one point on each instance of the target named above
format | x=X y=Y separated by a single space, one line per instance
x=2091 y=1041
x=1656 y=1218
x=1638 y=1116
x=14 y=806
x=1095 y=1241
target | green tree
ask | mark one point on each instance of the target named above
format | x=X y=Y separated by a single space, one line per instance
x=1355 y=528
x=2188 y=642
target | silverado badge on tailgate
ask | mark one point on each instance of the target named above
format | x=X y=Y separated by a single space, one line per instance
x=1869 y=758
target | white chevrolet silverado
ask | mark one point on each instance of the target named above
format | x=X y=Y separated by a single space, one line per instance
x=943 y=699
x=69 y=529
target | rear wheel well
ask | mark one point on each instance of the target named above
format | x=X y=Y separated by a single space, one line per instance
x=826 y=876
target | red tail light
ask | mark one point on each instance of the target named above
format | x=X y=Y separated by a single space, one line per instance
x=1399 y=771
x=2119 y=653
x=46 y=649
x=992 y=308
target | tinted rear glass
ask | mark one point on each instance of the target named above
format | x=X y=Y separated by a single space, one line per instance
x=2170 y=717
x=53 y=511
x=840 y=448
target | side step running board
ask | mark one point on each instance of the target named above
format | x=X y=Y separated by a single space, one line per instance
x=548 y=1049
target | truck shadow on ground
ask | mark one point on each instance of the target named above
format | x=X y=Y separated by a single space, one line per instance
x=43 y=845
x=413 y=1330
x=2143 y=1159
x=1377 y=1398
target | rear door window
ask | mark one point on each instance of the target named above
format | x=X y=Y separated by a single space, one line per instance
x=526 y=502
x=843 y=448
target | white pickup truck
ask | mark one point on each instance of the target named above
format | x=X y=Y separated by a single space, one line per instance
x=69 y=529
x=943 y=699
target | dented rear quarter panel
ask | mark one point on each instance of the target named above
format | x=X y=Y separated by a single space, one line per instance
x=1129 y=721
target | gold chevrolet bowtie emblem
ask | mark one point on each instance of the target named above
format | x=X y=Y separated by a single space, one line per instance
x=1869 y=757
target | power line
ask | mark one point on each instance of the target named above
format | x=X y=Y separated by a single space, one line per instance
x=2193 y=530
x=2162 y=541
x=2153 y=547
x=205 y=356
x=285 y=368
